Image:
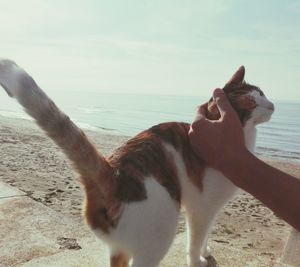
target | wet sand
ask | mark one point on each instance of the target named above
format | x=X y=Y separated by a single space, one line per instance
x=31 y=162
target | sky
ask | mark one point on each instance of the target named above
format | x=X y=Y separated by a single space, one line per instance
x=167 y=47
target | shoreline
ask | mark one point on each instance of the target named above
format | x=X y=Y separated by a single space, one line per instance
x=30 y=161
x=93 y=131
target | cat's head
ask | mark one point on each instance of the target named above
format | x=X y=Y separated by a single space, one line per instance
x=248 y=100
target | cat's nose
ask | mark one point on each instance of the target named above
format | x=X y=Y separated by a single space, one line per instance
x=271 y=107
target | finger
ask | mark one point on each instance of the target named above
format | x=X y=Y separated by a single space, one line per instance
x=201 y=110
x=222 y=102
x=200 y=117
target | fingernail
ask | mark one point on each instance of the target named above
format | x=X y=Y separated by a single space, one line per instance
x=217 y=92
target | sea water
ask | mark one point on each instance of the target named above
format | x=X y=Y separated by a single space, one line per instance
x=128 y=114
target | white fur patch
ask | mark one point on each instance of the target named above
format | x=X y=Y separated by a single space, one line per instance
x=9 y=76
x=264 y=109
x=201 y=207
x=146 y=228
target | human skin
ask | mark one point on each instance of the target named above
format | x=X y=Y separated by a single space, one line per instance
x=221 y=142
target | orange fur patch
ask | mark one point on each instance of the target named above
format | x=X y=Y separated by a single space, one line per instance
x=119 y=260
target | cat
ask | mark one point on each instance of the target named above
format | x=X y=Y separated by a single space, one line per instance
x=133 y=198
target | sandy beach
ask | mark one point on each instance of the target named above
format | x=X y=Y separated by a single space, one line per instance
x=31 y=162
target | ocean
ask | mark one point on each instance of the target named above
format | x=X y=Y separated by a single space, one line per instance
x=128 y=114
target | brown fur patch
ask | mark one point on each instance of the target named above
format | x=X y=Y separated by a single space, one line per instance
x=145 y=155
x=240 y=101
x=176 y=134
x=138 y=158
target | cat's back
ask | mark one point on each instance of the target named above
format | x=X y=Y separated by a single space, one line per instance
x=146 y=155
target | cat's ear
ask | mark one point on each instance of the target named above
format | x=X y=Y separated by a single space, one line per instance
x=238 y=77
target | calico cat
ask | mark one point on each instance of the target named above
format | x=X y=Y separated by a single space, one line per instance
x=133 y=197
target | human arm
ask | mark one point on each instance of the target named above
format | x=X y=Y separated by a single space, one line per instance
x=221 y=144
x=277 y=190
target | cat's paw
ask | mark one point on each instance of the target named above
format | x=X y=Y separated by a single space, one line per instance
x=10 y=74
x=206 y=252
x=202 y=262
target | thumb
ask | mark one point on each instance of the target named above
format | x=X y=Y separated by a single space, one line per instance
x=222 y=102
x=201 y=111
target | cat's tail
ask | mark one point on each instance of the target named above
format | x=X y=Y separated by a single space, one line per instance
x=96 y=173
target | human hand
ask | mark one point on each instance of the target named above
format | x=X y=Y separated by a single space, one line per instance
x=219 y=142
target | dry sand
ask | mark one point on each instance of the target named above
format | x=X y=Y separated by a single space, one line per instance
x=32 y=163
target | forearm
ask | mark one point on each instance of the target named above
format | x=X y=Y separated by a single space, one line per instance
x=277 y=190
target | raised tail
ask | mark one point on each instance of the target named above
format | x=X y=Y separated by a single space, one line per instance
x=96 y=173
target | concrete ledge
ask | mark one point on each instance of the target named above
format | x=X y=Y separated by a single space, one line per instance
x=291 y=254
x=31 y=235
x=7 y=192
x=91 y=254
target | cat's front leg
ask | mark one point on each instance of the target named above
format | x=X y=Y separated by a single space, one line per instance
x=206 y=251
x=198 y=228
x=199 y=223
x=200 y=262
